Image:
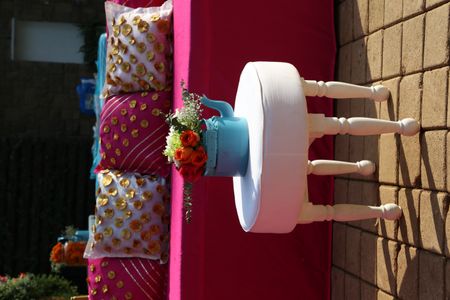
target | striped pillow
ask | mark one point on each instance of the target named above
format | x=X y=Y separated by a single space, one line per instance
x=133 y=131
x=126 y=278
x=138 y=3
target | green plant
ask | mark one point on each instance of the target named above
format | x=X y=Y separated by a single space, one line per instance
x=36 y=287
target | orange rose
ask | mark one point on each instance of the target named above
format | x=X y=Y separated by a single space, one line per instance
x=57 y=253
x=199 y=157
x=74 y=253
x=183 y=154
x=189 y=138
x=190 y=172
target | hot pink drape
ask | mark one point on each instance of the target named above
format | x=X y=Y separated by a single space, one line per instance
x=213 y=258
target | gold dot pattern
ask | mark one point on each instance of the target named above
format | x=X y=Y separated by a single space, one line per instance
x=130 y=216
x=126 y=278
x=139 y=39
x=132 y=133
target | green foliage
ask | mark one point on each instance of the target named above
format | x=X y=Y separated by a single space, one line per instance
x=36 y=287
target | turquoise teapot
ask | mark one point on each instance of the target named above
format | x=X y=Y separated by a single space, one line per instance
x=226 y=141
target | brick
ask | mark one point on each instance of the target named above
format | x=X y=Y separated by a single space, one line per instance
x=392 y=50
x=388 y=159
x=343 y=107
x=386 y=228
x=410 y=96
x=386 y=265
x=436 y=37
x=345 y=32
x=392 y=11
x=374 y=55
x=370 y=196
x=433 y=207
x=434 y=99
x=353 y=250
x=430 y=3
x=357 y=107
x=448 y=94
x=360 y=18
x=344 y=63
x=384 y=296
x=447 y=278
x=433 y=166
x=368 y=292
x=356 y=150
x=352 y=288
x=407 y=273
x=359 y=61
x=339 y=244
x=369 y=257
x=408 y=232
x=340 y=191
x=337 y=284
x=409 y=161
x=341 y=149
x=355 y=196
x=412 y=7
x=389 y=108
x=371 y=110
x=431 y=279
x=412 y=44
x=447 y=235
x=376 y=15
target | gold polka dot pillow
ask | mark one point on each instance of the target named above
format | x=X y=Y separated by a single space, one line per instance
x=133 y=132
x=131 y=217
x=126 y=278
x=139 y=48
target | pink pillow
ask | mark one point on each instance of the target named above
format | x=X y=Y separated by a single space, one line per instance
x=139 y=48
x=133 y=132
x=138 y=3
x=126 y=278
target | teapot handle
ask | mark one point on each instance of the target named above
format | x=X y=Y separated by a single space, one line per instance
x=223 y=107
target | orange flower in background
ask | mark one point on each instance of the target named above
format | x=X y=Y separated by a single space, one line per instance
x=57 y=253
x=73 y=253
x=189 y=138
x=183 y=154
x=199 y=157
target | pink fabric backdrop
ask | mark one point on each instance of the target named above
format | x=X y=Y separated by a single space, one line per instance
x=213 y=258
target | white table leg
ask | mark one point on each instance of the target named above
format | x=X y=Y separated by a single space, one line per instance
x=336 y=89
x=348 y=212
x=335 y=167
x=320 y=125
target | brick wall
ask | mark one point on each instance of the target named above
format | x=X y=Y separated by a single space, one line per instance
x=39 y=99
x=44 y=141
x=405 y=46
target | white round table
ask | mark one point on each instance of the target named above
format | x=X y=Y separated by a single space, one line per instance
x=269 y=197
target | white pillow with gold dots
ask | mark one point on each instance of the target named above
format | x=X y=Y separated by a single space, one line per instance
x=131 y=217
x=139 y=48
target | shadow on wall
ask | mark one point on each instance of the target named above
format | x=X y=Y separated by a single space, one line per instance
x=383 y=257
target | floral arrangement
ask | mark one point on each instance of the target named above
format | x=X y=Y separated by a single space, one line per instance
x=184 y=144
x=29 y=286
x=67 y=252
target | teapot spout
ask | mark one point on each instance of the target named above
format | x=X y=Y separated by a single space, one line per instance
x=223 y=107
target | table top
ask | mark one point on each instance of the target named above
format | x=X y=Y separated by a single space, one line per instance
x=269 y=197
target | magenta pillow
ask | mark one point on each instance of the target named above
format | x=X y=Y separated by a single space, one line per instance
x=133 y=132
x=139 y=3
x=126 y=278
